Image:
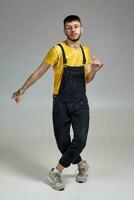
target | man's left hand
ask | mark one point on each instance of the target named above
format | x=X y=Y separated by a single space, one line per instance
x=96 y=64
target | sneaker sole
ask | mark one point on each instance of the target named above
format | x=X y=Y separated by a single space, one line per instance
x=81 y=181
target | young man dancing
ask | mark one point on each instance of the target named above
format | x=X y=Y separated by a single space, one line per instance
x=73 y=68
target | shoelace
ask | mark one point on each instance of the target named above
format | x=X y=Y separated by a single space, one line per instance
x=80 y=170
x=58 y=178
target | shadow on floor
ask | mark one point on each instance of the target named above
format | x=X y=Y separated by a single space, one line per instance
x=22 y=163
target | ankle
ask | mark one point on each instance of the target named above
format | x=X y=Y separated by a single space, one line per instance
x=81 y=164
x=56 y=171
x=59 y=168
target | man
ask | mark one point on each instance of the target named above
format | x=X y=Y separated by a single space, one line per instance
x=73 y=67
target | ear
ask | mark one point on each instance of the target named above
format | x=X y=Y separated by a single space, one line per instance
x=81 y=29
x=64 y=32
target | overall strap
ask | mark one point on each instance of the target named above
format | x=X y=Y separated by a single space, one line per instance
x=64 y=56
x=84 y=57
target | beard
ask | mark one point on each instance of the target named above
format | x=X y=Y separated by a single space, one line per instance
x=74 y=40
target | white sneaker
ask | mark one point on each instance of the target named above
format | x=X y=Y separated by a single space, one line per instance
x=55 y=180
x=82 y=175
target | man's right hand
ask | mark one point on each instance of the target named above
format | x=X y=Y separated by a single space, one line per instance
x=17 y=96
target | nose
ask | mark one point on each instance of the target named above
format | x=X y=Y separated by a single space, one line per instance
x=73 y=29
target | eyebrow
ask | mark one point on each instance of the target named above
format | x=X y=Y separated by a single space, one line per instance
x=72 y=25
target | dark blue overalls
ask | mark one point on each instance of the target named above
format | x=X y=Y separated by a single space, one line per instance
x=70 y=107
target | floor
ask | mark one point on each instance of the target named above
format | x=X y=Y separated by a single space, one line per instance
x=28 y=151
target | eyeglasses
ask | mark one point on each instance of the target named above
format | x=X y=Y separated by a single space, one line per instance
x=72 y=27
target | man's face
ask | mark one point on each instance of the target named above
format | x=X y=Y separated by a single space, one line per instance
x=73 y=30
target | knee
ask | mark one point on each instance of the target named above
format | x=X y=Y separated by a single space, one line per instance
x=63 y=147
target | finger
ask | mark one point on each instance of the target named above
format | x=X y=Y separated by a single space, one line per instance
x=13 y=96
x=93 y=58
x=97 y=62
x=17 y=100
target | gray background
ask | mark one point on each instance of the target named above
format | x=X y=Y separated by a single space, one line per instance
x=28 y=29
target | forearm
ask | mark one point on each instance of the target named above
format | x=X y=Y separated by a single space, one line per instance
x=30 y=81
x=95 y=66
x=35 y=76
x=90 y=76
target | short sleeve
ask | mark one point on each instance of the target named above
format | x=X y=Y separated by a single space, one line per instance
x=88 y=53
x=88 y=60
x=52 y=56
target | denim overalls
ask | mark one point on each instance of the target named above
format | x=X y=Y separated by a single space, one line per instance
x=70 y=107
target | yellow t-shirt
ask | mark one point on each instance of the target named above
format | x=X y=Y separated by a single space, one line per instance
x=74 y=58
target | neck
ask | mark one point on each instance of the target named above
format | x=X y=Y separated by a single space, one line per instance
x=72 y=44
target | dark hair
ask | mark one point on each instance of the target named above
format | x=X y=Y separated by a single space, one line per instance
x=71 y=18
